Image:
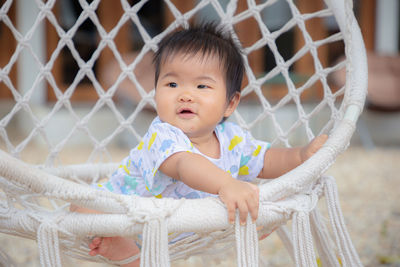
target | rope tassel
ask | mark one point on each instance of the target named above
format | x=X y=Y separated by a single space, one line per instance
x=48 y=244
x=347 y=252
x=246 y=243
x=302 y=240
x=323 y=241
x=155 y=244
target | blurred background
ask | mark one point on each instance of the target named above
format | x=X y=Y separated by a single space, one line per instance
x=80 y=98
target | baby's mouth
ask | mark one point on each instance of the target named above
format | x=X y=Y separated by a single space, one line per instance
x=186 y=113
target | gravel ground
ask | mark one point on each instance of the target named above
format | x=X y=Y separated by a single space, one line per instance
x=369 y=184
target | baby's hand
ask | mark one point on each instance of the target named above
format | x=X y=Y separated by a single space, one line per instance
x=113 y=248
x=307 y=151
x=241 y=195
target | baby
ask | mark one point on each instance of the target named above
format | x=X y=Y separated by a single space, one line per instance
x=189 y=151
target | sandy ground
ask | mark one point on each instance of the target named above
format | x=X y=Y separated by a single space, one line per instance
x=369 y=184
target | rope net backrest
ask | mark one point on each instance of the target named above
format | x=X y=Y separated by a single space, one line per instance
x=310 y=115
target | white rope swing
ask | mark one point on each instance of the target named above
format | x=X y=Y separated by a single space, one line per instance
x=293 y=196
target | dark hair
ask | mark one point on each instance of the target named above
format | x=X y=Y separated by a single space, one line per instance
x=209 y=39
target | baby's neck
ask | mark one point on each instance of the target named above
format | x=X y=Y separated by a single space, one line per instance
x=208 y=145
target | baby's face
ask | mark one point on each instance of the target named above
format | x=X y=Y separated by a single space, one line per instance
x=191 y=93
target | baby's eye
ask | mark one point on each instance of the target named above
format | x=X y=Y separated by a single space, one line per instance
x=173 y=85
x=202 y=86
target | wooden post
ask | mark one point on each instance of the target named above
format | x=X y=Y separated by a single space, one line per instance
x=8 y=45
x=367 y=22
x=110 y=13
x=315 y=27
x=249 y=33
x=51 y=42
x=182 y=5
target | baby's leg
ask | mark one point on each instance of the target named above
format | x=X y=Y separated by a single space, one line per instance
x=262 y=234
x=115 y=248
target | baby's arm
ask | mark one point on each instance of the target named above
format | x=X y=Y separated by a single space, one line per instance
x=199 y=173
x=278 y=161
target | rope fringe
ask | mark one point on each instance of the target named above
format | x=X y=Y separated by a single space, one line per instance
x=246 y=243
x=347 y=252
x=155 y=244
x=302 y=240
x=324 y=244
x=48 y=243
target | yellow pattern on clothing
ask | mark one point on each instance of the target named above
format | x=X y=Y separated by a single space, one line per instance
x=99 y=185
x=234 y=142
x=152 y=139
x=126 y=169
x=257 y=151
x=244 y=170
x=156 y=196
x=140 y=146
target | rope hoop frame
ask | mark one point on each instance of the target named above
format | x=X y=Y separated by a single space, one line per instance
x=292 y=196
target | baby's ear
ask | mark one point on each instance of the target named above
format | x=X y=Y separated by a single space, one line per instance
x=232 y=105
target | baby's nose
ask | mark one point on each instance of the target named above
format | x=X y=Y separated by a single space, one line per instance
x=186 y=97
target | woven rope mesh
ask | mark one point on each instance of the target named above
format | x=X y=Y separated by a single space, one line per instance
x=115 y=115
x=73 y=92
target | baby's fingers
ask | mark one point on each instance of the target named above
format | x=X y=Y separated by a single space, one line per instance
x=253 y=208
x=253 y=202
x=318 y=142
x=231 y=212
x=243 y=212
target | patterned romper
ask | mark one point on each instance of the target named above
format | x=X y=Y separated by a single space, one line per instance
x=240 y=155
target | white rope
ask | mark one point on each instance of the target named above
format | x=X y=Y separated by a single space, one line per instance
x=302 y=240
x=230 y=16
x=155 y=244
x=324 y=244
x=347 y=252
x=48 y=243
x=303 y=247
x=127 y=260
x=154 y=251
x=246 y=243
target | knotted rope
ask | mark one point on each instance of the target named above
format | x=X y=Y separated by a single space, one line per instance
x=246 y=243
x=154 y=251
x=347 y=252
x=48 y=243
x=302 y=240
x=155 y=244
